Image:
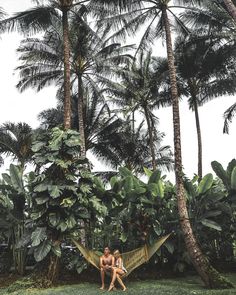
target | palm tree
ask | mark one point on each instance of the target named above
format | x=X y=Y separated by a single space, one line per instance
x=130 y=148
x=212 y=22
x=15 y=141
x=91 y=58
x=141 y=88
x=228 y=116
x=154 y=15
x=206 y=71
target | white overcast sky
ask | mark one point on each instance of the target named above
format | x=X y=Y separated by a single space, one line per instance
x=24 y=107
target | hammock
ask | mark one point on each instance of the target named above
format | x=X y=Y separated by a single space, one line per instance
x=132 y=259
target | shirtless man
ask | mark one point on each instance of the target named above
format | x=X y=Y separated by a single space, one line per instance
x=107 y=262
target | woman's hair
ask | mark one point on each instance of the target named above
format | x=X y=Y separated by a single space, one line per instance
x=117 y=252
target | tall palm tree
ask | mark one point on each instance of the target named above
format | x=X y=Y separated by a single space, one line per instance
x=142 y=88
x=39 y=18
x=154 y=14
x=206 y=71
x=91 y=58
x=15 y=141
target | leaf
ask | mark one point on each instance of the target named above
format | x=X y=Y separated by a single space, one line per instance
x=221 y=173
x=73 y=141
x=62 y=226
x=42 y=187
x=38 y=236
x=230 y=167
x=156 y=189
x=169 y=246
x=41 y=200
x=212 y=213
x=67 y=202
x=56 y=250
x=6 y=202
x=147 y=171
x=212 y=224
x=71 y=222
x=125 y=172
x=123 y=237
x=155 y=177
x=36 y=147
x=16 y=178
x=42 y=250
x=54 y=191
x=128 y=184
x=54 y=219
x=205 y=184
x=6 y=178
x=37 y=215
x=233 y=179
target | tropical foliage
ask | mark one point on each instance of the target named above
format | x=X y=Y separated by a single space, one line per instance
x=102 y=84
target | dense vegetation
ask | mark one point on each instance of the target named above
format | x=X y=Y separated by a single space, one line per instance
x=104 y=87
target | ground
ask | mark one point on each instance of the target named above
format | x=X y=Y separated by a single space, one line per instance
x=177 y=286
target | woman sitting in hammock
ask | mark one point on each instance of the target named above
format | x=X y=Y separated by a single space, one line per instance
x=118 y=271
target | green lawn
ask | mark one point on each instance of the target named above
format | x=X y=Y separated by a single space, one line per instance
x=182 y=286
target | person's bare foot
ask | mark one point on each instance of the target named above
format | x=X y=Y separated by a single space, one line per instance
x=124 y=289
x=102 y=288
x=111 y=287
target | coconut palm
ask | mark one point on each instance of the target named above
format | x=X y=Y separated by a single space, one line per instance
x=142 y=88
x=15 y=141
x=212 y=22
x=40 y=18
x=154 y=14
x=91 y=58
x=207 y=71
x=130 y=148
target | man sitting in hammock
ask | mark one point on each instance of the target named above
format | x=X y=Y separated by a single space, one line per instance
x=107 y=263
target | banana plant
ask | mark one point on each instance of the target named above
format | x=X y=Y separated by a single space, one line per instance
x=228 y=178
x=13 y=196
x=134 y=206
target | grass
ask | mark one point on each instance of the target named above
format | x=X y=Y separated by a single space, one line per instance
x=177 y=286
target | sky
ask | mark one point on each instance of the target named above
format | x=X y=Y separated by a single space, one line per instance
x=24 y=107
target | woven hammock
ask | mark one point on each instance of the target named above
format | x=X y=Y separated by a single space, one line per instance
x=131 y=260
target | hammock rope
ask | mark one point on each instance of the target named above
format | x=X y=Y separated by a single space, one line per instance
x=131 y=260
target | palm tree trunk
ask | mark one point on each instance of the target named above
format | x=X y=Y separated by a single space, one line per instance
x=150 y=133
x=81 y=117
x=199 y=139
x=209 y=275
x=67 y=96
x=231 y=8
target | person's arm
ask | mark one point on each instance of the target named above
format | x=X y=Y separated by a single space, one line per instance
x=120 y=263
x=113 y=261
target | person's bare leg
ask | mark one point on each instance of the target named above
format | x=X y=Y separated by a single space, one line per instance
x=103 y=279
x=121 y=282
x=113 y=279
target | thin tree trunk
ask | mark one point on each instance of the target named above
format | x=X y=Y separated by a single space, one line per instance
x=231 y=8
x=19 y=254
x=209 y=275
x=150 y=133
x=199 y=138
x=81 y=117
x=67 y=96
